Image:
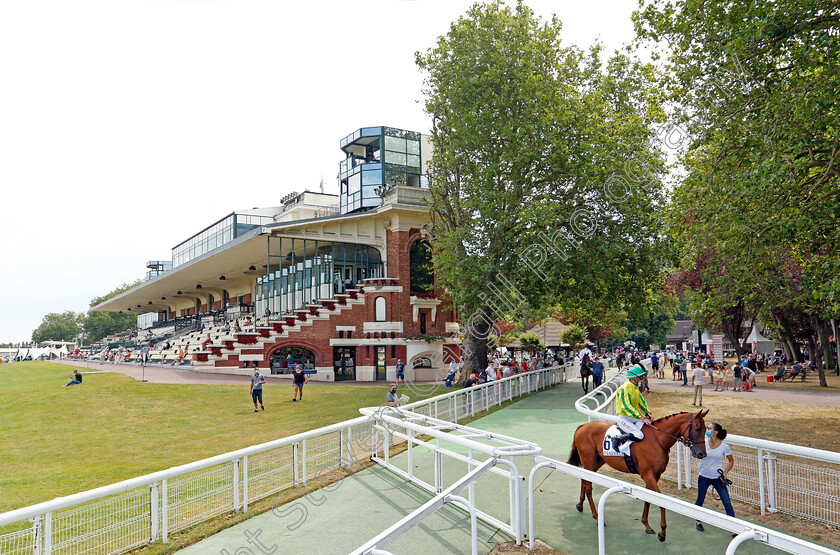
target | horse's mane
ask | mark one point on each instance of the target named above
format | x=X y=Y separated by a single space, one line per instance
x=670 y=416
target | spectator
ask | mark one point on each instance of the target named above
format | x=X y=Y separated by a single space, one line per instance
x=391 y=398
x=299 y=378
x=698 y=374
x=257 y=382
x=736 y=377
x=76 y=378
x=597 y=372
x=718 y=377
x=400 y=366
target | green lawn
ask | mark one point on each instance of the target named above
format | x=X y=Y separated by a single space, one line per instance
x=56 y=441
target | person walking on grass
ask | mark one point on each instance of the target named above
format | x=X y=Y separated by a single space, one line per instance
x=698 y=374
x=299 y=378
x=257 y=381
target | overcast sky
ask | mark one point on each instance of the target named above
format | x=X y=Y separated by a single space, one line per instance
x=127 y=126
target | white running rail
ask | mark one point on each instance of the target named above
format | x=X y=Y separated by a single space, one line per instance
x=120 y=517
x=777 y=477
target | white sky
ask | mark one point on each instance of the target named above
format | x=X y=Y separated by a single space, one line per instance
x=126 y=126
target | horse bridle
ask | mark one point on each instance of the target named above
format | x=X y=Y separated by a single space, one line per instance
x=687 y=442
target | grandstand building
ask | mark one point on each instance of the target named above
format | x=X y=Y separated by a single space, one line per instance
x=343 y=283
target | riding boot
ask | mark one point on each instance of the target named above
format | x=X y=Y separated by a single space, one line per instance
x=617 y=442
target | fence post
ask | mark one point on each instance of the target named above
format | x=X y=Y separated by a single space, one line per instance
x=305 y=478
x=679 y=467
x=341 y=449
x=47 y=533
x=410 y=453
x=438 y=468
x=245 y=484
x=164 y=511
x=155 y=515
x=37 y=534
x=235 y=478
x=762 y=502
x=687 y=466
x=296 y=476
x=771 y=481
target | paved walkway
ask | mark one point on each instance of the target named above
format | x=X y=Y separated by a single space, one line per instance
x=366 y=503
x=804 y=396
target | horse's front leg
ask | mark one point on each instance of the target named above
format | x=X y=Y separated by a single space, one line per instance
x=652 y=483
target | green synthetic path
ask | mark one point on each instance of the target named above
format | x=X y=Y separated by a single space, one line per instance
x=368 y=502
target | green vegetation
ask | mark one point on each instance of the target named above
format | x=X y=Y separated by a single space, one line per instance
x=544 y=175
x=57 y=441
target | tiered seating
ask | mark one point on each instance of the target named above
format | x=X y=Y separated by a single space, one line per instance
x=228 y=352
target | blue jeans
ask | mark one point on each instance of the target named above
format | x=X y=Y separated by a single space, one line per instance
x=703 y=484
x=685 y=376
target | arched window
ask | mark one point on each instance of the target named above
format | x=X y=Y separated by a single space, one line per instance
x=380 y=309
x=283 y=360
x=422 y=270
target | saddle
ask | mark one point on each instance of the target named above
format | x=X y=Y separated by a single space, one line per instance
x=623 y=451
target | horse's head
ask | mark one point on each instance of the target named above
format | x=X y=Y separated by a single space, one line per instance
x=695 y=434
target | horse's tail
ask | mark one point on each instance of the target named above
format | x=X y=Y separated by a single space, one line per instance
x=574 y=458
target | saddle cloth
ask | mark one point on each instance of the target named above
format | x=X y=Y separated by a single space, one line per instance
x=624 y=451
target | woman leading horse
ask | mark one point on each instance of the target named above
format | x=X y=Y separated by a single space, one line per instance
x=650 y=453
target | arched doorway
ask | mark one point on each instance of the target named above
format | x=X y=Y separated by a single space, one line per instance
x=283 y=360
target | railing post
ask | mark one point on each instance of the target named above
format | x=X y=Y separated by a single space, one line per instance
x=687 y=466
x=771 y=482
x=155 y=516
x=47 y=533
x=438 y=468
x=245 y=484
x=164 y=511
x=235 y=478
x=761 y=498
x=303 y=461
x=37 y=534
x=410 y=453
x=341 y=449
x=679 y=467
x=296 y=476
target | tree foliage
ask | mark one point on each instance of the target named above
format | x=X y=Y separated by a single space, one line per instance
x=530 y=199
x=575 y=336
x=101 y=324
x=756 y=88
x=531 y=343
x=65 y=326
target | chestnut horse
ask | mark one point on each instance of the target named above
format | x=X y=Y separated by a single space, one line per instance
x=650 y=454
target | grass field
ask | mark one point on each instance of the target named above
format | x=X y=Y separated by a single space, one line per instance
x=56 y=441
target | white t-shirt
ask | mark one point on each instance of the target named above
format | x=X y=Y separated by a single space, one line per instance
x=698 y=374
x=713 y=462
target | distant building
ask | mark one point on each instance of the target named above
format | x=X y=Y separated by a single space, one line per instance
x=342 y=282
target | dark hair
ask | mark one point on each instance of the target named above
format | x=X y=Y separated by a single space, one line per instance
x=721 y=431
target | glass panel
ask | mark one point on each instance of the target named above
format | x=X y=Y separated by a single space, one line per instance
x=413 y=147
x=395 y=144
x=372 y=177
x=394 y=178
x=413 y=161
x=395 y=158
x=354 y=183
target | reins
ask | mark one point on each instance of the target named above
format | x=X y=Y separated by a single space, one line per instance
x=687 y=442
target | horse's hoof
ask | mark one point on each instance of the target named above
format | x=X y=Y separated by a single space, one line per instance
x=661 y=537
x=579 y=508
x=650 y=532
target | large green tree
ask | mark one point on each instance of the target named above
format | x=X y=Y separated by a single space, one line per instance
x=58 y=327
x=101 y=324
x=756 y=88
x=545 y=182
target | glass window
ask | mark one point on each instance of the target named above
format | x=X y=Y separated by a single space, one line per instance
x=354 y=182
x=413 y=161
x=372 y=177
x=395 y=144
x=380 y=309
x=413 y=147
x=395 y=158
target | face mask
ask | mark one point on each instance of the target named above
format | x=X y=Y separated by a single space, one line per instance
x=708 y=433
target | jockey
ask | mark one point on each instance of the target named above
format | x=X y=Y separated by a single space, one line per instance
x=631 y=408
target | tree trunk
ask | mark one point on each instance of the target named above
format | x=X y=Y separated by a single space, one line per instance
x=734 y=340
x=816 y=356
x=827 y=355
x=474 y=352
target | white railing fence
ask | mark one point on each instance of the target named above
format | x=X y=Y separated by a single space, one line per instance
x=745 y=530
x=119 y=517
x=777 y=477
